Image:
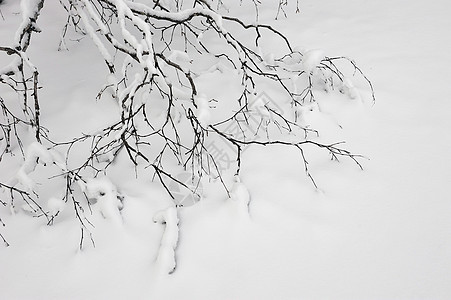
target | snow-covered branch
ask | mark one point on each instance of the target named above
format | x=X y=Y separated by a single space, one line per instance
x=158 y=54
x=161 y=46
x=15 y=76
x=166 y=260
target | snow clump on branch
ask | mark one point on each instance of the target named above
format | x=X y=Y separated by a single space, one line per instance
x=166 y=260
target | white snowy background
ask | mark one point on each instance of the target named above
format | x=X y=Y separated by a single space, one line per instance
x=381 y=233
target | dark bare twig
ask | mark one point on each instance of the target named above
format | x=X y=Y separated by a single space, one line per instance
x=4 y=240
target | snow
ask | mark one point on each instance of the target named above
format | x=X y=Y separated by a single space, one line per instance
x=35 y=153
x=180 y=56
x=350 y=90
x=240 y=198
x=55 y=205
x=91 y=32
x=203 y=111
x=312 y=59
x=104 y=192
x=380 y=233
x=260 y=106
x=29 y=10
x=145 y=44
x=166 y=260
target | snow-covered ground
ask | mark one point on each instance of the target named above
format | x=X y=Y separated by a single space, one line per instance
x=381 y=233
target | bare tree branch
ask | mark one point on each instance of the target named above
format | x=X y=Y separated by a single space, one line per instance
x=152 y=51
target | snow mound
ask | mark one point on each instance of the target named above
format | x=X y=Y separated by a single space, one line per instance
x=312 y=58
x=108 y=202
x=240 y=198
x=55 y=205
x=166 y=262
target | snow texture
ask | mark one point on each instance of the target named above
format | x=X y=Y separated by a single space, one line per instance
x=293 y=59
x=311 y=59
x=350 y=90
x=181 y=56
x=166 y=259
x=203 y=112
x=55 y=205
x=92 y=32
x=304 y=112
x=240 y=198
x=108 y=203
x=29 y=9
x=261 y=107
x=141 y=46
x=35 y=154
x=380 y=233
